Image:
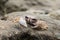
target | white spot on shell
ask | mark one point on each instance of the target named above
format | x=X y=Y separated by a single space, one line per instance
x=22 y=21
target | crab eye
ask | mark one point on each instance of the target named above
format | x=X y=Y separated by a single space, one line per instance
x=26 y=17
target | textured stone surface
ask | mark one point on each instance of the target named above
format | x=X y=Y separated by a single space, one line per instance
x=55 y=14
x=46 y=10
x=14 y=31
x=52 y=23
x=23 y=5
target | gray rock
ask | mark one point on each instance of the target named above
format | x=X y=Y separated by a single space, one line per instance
x=57 y=35
x=14 y=31
x=55 y=14
x=53 y=25
x=7 y=29
x=40 y=11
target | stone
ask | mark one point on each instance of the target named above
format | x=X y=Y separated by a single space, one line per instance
x=13 y=31
x=24 y=5
x=55 y=14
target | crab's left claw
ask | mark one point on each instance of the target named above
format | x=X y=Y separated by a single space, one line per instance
x=23 y=22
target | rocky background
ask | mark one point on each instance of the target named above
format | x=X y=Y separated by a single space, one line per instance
x=46 y=10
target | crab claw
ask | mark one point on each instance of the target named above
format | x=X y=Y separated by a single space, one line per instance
x=22 y=21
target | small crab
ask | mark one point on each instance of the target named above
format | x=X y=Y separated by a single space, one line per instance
x=35 y=23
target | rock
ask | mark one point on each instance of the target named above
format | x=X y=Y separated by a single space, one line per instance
x=7 y=29
x=57 y=34
x=24 y=5
x=2 y=7
x=55 y=14
x=15 y=5
x=31 y=2
x=34 y=11
x=13 y=31
x=40 y=11
x=52 y=23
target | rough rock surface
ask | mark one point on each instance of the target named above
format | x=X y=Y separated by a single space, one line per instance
x=7 y=29
x=53 y=28
x=23 y=5
x=55 y=14
x=47 y=3
x=14 y=31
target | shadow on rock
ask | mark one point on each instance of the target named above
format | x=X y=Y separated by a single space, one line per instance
x=27 y=36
